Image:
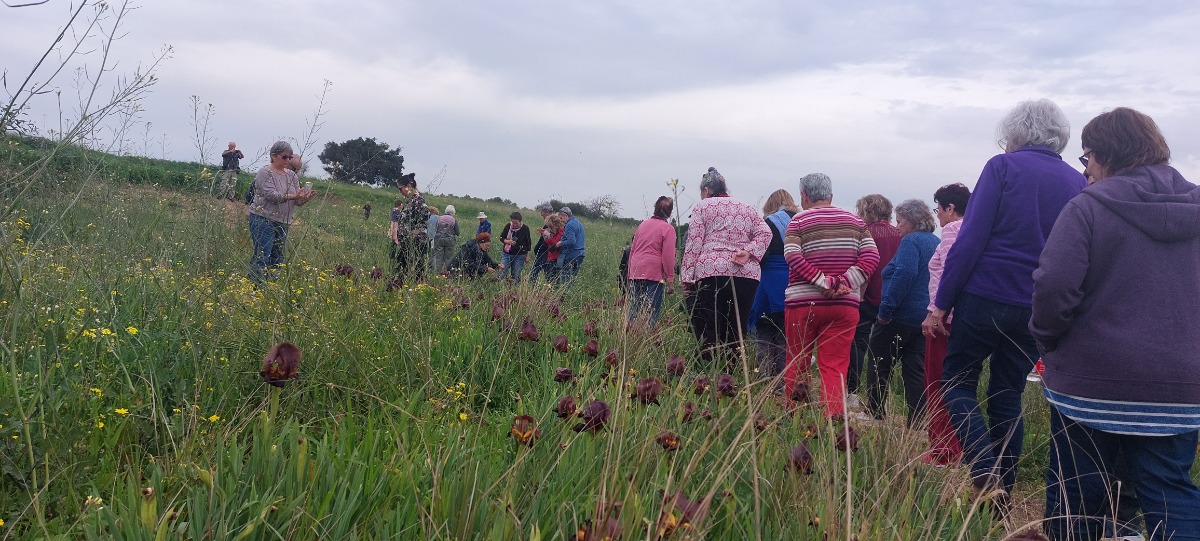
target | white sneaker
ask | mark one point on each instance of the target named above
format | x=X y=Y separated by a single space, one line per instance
x=1033 y=377
x=853 y=402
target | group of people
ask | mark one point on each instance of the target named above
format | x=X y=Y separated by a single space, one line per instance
x=1086 y=272
x=417 y=231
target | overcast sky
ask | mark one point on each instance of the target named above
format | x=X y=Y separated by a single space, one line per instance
x=528 y=100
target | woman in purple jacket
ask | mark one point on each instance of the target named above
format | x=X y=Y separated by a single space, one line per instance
x=988 y=281
x=1112 y=304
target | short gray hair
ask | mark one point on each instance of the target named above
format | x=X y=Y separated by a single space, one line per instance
x=917 y=213
x=817 y=186
x=281 y=147
x=1034 y=122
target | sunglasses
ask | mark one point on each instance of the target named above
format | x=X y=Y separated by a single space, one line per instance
x=1084 y=159
x=286 y=156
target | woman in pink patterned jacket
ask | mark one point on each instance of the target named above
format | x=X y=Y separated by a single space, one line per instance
x=726 y=239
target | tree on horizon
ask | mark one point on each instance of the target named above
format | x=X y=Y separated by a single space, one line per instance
x=362 y=161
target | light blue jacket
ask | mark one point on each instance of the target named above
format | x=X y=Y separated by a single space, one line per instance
x=572 y=240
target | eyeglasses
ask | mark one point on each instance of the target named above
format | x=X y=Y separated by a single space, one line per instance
x=286 y=156
x=1084 y=159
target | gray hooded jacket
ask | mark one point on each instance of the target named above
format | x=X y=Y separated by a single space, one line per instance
x=1117 y=290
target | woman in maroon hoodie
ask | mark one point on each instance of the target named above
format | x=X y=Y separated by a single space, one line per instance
x=1112 y=312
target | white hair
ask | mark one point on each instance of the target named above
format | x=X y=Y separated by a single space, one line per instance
x=1034 y=122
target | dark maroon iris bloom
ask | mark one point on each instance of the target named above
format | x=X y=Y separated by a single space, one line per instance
x=595 y=416
x=561 y=344
x=281 y=364
x=676 y=366
x=668 y=440
x=799 y=393
x=563 y=375
x=612 y=357
x=566 y=407
x=529 y=331
x=700 y=385
x=801 y=459
x=647 y=391
x=524 y=430
x=689 y=412
x=344 y=270
x=589 y=329
x=726 y=386
x=376 y=273
x=592 y=348
x=847 y=438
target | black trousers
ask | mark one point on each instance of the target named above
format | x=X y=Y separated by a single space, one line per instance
x=890 y=343
x=861 y=346
x=721 y=314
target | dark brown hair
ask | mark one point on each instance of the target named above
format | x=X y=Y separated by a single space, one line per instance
x=663 y=207
x=956 y=194
x=1124 y=138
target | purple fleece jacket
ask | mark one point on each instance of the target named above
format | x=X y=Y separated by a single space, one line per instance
x=1115 y=295
x=1009 y=216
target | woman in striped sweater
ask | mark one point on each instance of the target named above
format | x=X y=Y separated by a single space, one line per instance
x=830 y=254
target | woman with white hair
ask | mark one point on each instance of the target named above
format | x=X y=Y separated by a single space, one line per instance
x=988 y=281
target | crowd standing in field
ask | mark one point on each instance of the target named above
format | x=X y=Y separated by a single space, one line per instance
x=1038 y=262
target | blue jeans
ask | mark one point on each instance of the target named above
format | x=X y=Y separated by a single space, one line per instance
x=568 y=269
x=984 y=328
x=512 y=265
x=268 y=238
x=1078 y=488
x=645 y=295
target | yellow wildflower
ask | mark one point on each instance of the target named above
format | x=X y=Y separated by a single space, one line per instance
x=462 y=416
x=121 y=411
x=100 y=424
x=131 y=330
x=214 y=418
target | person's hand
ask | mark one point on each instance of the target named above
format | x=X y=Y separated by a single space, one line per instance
x=688 y=288
x=500 y=266
x=741 y=257
x=934 y=324
x=670 y=289
x=881 y=321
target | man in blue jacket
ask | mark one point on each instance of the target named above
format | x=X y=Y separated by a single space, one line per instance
x=571 y=247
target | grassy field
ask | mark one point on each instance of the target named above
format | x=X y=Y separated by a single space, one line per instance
x=131 y=406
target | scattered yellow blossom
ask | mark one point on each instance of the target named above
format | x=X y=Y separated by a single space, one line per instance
x=131 y=330
x=462 y=416
x=214 y=418
x=121 y=411
x=100 y=424
x=98 y=392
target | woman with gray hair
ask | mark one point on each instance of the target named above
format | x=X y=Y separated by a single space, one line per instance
x=904 y=297
x=726 y=239
x=988 y=281
x=277 y=193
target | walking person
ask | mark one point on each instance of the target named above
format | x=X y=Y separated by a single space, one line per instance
x=515 y=237
x=830 y=255
x=1122 y=372
x=726 y=240
x=988 y=281
x=230 y=160
x=651 y=266
x=277 y=193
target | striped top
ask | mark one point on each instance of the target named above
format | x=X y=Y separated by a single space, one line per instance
x=1130 y=418
x=827 y=247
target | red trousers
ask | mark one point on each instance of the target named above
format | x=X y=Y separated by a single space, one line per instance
x=829 y=330
x=943 y=442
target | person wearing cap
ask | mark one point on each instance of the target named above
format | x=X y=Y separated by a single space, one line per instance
x=444 y=238
x=472 y=259
x=484 y=225
x=571 y=247
x=229 y=171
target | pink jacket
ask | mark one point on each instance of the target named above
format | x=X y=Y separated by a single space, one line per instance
x=938 y=261
x=720 y=227
x=652 y=254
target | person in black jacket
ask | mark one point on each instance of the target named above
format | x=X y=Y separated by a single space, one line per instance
x=541 y=249
x=472 y=259
x=515 y=237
